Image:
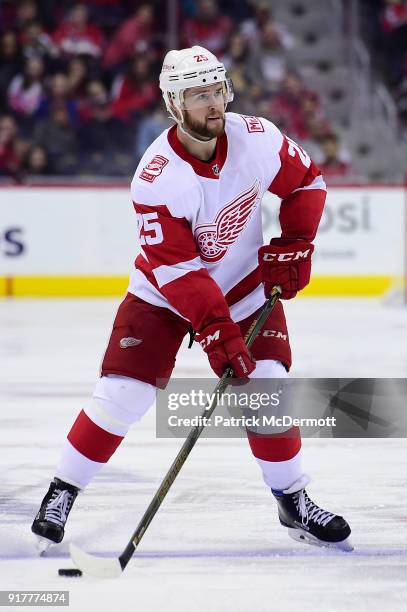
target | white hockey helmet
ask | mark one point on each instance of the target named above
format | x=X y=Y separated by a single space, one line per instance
x=192 y=67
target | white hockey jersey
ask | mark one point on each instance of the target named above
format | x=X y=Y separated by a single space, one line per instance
x=200 y=223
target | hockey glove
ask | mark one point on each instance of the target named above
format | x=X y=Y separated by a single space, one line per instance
x=224 y=345
x=286 y=263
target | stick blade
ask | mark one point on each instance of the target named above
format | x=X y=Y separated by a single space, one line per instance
x=99 y=567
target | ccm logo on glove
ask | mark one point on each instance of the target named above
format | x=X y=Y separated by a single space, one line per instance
x=225 y=347
x=210 y=338
x=286 y=256
x=287 y=264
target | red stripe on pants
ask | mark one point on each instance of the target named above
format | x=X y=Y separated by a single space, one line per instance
x=275 y=447
x=91 y=440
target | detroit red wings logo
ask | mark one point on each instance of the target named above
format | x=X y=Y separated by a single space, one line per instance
x=214 y=239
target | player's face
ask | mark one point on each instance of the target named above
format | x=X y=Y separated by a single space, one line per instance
x=204 y=110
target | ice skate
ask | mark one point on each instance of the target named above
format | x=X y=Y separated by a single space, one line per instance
x=307 y=522
x=50 y=521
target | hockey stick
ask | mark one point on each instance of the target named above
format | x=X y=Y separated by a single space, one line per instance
x=113 y=567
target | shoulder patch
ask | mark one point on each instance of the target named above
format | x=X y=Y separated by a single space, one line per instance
x=253 y=124
x=154 y=168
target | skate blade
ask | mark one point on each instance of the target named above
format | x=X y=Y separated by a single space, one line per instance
x=42 y=545
x=300 y=535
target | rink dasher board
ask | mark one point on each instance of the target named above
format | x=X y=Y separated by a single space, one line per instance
x=82 y=241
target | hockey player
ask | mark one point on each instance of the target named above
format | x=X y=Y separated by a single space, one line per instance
x=197 y=193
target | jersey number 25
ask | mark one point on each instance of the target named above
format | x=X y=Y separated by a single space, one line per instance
x=294 y=148
x=149 y=230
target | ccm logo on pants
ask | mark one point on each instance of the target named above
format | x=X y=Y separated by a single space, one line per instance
x=272 y=333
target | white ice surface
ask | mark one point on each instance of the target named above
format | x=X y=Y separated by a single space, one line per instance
x=216 y=544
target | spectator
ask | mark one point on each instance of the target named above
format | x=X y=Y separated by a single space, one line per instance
x=10 y=64
x=134 y=36
x=236 y=63
x=315 y=124
x=268 y=63
x=238 y=11
x=36 y=162
x=252 y=28
x=11 y=149
x=77 y=77
x=394 y=30
x=96 y=95
x=394 y=15
x=150 y=127
x=36 y=42
x=107 y=13
x=333 y=163
x=7 y=15
x=287 y=106
x=51 y=13
x=59 y=97
x=25 y=90
x=103 y=137
x=136 y=92
x=101 y=131
x=78 y=37
x=26 y=13
x=297 y=110
x=57 y=135
x=209 y=28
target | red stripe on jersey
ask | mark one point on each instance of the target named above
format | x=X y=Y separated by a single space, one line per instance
x=207 y=169
x=91 y=440
x=277 y=447
x=243 y=288
x=144 y=267
x=248 y=284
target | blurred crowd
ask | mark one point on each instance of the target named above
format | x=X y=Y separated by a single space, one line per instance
x=79 y=89
x=387 y=35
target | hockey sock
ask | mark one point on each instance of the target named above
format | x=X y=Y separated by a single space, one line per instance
x=75 y=468
x=279 y=456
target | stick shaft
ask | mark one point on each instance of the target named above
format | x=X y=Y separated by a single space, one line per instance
x=192 y=438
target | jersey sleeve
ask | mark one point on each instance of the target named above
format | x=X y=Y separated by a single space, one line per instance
x=171 y=262
x=301 y=187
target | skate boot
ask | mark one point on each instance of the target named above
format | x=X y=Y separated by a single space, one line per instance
x=50 y=521
x=307 y=522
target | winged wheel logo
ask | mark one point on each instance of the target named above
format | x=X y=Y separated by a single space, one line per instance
x=214 y=239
